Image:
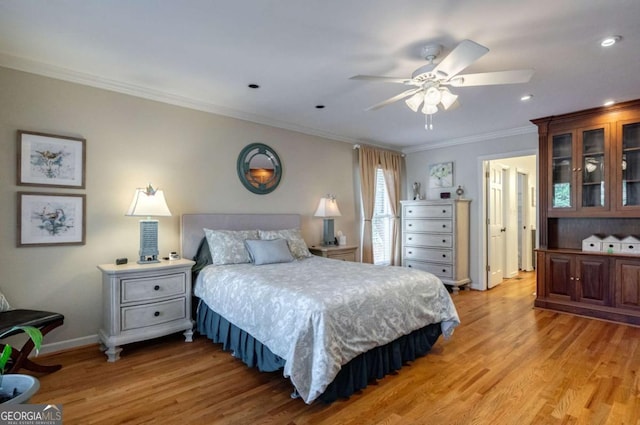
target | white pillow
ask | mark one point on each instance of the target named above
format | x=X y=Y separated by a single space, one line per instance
x=297 y=245
x=227 y=246
x=4 y=304
x=268 y=251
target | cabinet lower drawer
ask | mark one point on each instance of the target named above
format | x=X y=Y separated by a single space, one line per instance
x=427 y=226
x=150 y=288
x=428 y=254
x=421 y=239
x=429 y=211
x=440 y=270
x=153 y=314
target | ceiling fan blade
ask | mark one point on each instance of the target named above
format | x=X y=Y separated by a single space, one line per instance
x=382 y=79
x=464 y=54
x=515 y=76
x=395 y=98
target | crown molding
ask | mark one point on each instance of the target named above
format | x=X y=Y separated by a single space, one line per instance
x=69 y=75
x=474 y=139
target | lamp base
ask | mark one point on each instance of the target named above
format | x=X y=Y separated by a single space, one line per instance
x=148 y=242
x=328 y=238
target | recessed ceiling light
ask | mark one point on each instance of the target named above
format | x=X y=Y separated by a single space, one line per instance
x=253 y=86
x=526 y=97
x=610 y=41
x=609 y=103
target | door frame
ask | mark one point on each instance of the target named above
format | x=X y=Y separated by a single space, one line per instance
x=482 y=190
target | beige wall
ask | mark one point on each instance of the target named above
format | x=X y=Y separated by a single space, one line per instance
x=131 y=142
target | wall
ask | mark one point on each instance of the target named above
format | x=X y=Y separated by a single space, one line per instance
x=467 y=171
x=191 y=155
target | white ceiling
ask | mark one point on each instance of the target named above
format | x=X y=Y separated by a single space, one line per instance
x=204 y=53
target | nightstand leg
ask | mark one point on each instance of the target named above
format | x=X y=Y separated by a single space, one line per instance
x=113 y=353
x=188 y=335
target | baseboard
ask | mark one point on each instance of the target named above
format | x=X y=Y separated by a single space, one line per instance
x=68 y=344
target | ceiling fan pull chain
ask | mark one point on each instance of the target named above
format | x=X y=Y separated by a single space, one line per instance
x=428 y=122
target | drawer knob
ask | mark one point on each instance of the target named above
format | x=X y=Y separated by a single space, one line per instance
x=444 y=270
x=444 y=211
x=410 y=211
x=410 y=252
x=444 y=255
x=157 y=313
x=412 y=239
x=156 y=288
x=444 y=226
x=410 y=224
x=409 y=265
x=444 y=241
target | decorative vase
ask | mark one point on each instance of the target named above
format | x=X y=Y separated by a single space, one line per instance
x=25 y=386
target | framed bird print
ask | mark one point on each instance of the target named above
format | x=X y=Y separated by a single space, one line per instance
x=50 y=160
x=46 y=219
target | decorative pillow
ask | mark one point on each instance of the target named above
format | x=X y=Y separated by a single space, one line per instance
x=227 y=246
x=4 y=304
x=297 y=245
x=202 y=257
x=268 y=251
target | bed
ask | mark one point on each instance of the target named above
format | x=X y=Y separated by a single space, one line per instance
x=331 y=326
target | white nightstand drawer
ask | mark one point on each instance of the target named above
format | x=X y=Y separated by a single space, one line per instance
x=429 y=211
x=427 y=226
x=150 y=288
x=422 y=239
x=153 y=314
x=440 y=270
x=427 y=254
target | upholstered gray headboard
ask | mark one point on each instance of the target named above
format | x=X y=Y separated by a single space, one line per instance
x=191 y=226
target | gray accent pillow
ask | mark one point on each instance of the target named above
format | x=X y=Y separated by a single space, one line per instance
x=297 y=245
x=227 y=246
x=268 y=251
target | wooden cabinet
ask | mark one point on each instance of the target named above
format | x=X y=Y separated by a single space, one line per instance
x=589 y=183
x=143 y=301
x=339 y=252
x=435 y=238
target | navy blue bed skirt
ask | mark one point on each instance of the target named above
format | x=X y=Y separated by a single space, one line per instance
x=353 y=376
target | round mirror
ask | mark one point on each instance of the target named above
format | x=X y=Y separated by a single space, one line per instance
x=259 y=168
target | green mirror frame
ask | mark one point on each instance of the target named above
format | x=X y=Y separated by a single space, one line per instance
x=259 y=168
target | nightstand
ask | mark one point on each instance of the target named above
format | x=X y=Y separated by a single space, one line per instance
x=339 y=252
x=144 y=301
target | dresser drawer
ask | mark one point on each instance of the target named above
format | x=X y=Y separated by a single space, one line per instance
x=428 y=226
x=440 y=270
x=153 y=314
x=422 y=239
x=429 y=211
x=151 y=288
x=427 y=254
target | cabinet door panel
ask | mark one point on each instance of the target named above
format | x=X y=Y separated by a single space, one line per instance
x=559 y=278
x=593 y=280
x=628 y=284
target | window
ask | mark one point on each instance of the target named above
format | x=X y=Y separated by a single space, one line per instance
x=381 y=223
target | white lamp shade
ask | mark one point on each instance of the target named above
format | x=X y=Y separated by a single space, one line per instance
x=327 y=207
x=429 y=109
x=415 y=101
x=448 y=99
x=148 y=205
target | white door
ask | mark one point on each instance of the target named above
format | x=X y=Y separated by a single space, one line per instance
x=496 y=227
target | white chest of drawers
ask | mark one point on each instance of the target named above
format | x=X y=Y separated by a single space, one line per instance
x=435 y=238
x=144 y=301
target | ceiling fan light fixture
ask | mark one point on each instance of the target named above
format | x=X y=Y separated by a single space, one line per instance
x=415 y=101
x=429 y=109
x=448 y=98
x=432 y=96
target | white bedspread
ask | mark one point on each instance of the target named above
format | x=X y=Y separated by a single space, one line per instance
x=318 y=313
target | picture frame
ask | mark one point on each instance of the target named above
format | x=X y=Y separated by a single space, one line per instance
x=48 y=219
x=51 y=160
x=441 y=175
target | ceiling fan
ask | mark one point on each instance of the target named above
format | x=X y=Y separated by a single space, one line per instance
x=430 y=83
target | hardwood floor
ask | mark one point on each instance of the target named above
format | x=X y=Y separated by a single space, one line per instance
x=506 y=364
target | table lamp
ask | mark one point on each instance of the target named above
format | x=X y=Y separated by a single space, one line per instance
x=148 y=202
x=327 y=209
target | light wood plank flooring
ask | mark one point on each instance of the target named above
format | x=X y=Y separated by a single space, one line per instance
x=506 y=364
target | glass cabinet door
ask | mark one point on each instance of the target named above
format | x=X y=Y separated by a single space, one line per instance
x=562 y=171
x=593 y=170
x=630 y=164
